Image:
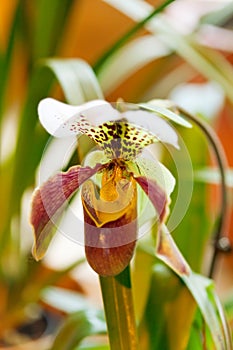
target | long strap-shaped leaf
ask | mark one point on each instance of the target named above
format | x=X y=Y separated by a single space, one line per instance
x=77 y=80
x=129 y=59
x=202 y=59
x=202 y=289
x=78 y=326
x=84 y=320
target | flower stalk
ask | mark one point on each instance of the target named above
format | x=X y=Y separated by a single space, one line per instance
x=119 y=311
x=222 y=223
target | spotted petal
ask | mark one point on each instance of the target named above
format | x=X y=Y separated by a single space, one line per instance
x=63 y=120
x=50 y=200
x=154 y=124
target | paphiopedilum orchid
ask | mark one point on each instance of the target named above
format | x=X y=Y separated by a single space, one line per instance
x=109 y=182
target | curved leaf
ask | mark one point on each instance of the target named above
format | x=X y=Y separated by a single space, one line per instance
x=128 y=59
x=160 y=108
x=77 y=80
x=78 y=326
x=203 y=59
x=168 y=311
x=202 y=289
x=212 y=176
x=83 y=321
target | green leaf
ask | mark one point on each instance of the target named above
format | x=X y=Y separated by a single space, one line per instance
x=228 y=304
x=141 y=274
x=129 y=59
x=145 y=18
x=212 y=176
x=23 y=36
x=6 y=57
x=38 y=87
x=200 y=336
x=159 y=107
x=202 y=289
x=64 y=300
x=93 y=347
x=83 y=319
x=77 y=80
x=191 y=239
x=168 y=313
x=39 y=283
x=77 y=327
x=211 y=64
x=51 y=17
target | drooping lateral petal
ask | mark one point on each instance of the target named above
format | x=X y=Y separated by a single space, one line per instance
x=152 y=169
x=63 y=120
x=148 y=165
x=155 y=193
x=50 y=200
x=166 y=249
x=168 y=252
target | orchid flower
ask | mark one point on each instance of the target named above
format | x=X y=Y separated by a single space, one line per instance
x=109 y=181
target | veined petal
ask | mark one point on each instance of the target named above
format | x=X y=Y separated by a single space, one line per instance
x=166 y=249
x=49 y=201
x=153 y=169
x=168 y=252
x=63 y=120
x=155 y=193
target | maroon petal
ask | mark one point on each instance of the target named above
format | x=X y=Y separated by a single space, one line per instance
x=168 y=252
x=49 y=201
x=110 y=248
x=110 y=237
x=166 y=249
x=155 y=193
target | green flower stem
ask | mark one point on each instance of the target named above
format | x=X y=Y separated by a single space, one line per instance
x=119 y=311
x=222 y=224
